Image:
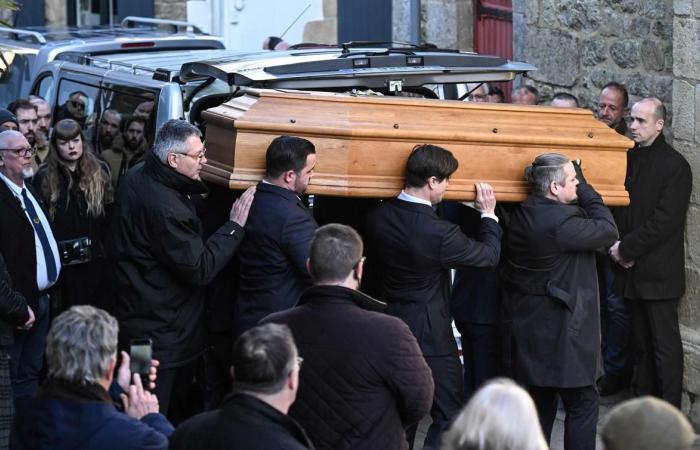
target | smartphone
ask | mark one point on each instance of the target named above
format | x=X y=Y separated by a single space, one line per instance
x=141 y=354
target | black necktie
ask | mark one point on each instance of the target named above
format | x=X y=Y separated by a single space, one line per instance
x=39 y=228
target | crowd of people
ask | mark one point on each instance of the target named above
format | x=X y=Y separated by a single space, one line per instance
x=270 y=331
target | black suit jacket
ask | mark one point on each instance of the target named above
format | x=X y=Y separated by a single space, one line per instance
x=273 y=255
x=410 y=253
x=17 y=243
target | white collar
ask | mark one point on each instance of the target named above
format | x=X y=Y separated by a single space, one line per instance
x=16 y=190
x=410 y=198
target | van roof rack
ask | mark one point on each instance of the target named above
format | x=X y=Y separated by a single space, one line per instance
x=177 y=25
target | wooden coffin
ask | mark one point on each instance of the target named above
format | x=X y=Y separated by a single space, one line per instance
x=362 y=142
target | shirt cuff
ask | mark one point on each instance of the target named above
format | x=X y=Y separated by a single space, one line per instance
x=489 y=216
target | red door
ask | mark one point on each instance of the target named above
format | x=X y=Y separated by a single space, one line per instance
x=493 y=32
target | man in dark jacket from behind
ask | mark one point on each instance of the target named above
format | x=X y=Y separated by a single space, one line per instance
x=254 y=417
x=364 y=379
x=410 y=253
x=550 y=303
x=273 y=254
x=73 y=408
x=162 y=262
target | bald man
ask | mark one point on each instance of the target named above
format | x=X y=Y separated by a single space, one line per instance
x=650 y=255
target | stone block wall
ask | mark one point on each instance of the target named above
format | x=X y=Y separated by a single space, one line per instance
x=170 y=9
x=686 y=132
x=580 y=45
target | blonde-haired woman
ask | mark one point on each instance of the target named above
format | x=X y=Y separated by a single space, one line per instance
x=500 y=416
x=76 y=190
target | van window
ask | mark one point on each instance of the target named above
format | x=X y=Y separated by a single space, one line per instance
x=76 y=100
x=129 y=101
x=44 y=87
x=14 y=74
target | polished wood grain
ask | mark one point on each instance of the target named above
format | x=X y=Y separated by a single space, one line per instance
x=362 y=142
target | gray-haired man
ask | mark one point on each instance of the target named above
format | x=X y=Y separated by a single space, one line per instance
x=162 y=262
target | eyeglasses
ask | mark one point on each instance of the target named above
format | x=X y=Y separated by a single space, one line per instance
x=198 y=156
x=20 y=152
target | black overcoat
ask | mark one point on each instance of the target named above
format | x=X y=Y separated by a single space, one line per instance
x=410 y=252
x=659 y=181
x=551 y=321
x=162 y=262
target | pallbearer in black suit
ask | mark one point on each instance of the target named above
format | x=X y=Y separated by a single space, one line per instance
x=280 y=227
x=550 y=303
x=410 y=253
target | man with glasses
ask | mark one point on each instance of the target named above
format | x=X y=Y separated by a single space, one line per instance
x=162 y=262
x=365 y=379
x=265 y=374
x=29 y=247
x=75 y=108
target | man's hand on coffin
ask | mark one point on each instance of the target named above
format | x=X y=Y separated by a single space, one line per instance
x=241 y=207
x=579 y=171
x=485 y=198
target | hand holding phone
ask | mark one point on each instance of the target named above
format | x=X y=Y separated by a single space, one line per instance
x=141 y=353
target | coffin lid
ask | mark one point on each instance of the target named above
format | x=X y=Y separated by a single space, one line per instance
x=368 y=67
x=362 y=142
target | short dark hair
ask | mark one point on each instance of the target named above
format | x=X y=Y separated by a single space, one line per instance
x=621 y=89
x=545 y=169
x=287 y=153
x=495 y=90
x=20 y=103
x=262 y=359
x=531 y=89
x=427 y=161
x=335 y=251
x=565 y=96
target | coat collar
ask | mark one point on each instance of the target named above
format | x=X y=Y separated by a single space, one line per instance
x=169 y=177
x=659 y=143
x=325 y=294
x=280 y=191
x=242 y=400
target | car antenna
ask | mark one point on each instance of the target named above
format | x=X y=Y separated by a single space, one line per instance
x=295 y=20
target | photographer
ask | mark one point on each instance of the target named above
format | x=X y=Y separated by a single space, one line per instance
x=73 y=408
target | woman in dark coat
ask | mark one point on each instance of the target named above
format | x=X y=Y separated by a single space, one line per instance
x=75 y=186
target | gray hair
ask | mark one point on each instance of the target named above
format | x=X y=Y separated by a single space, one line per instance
x=172 y=137
x=81 y=344
x=7 y=135
x=500 y=416
x=263 y=358
x=544 y=170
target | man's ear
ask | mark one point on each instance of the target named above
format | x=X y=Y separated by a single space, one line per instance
x=358 y=270
x=293 y=379
x=308 y=265
x=171 y=159
x=290 y=176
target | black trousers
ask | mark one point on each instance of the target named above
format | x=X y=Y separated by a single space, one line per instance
x=581 y=406
x=180 y=391
x=480 y=354
x=657 y=349
x=447 y=400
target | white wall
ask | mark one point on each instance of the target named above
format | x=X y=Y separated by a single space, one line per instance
x=244 y=24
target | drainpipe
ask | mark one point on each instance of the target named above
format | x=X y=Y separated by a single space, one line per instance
x=415 y=22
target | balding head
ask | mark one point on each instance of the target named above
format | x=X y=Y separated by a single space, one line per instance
x=9 y=137
x=648 y=118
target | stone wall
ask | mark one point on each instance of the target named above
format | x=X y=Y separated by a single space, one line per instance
x=445 y=23
x=686 y=132
x=580 y=45
x=170 y=9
